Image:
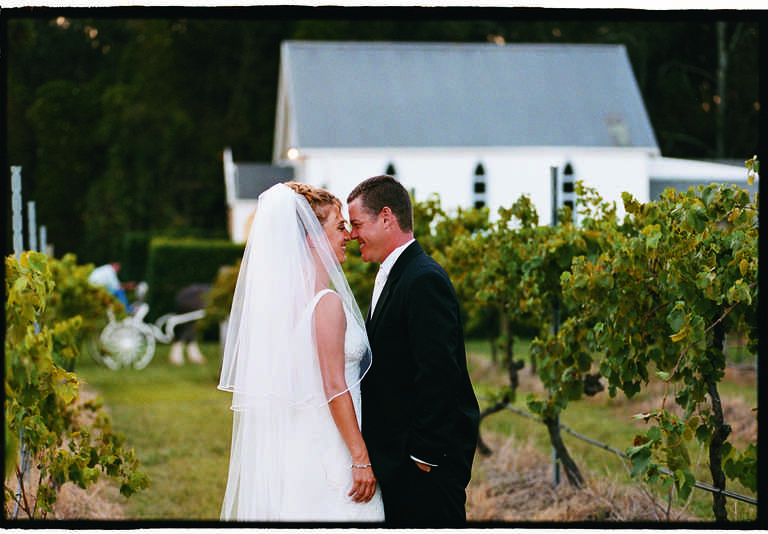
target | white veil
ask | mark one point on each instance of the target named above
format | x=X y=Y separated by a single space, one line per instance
x=267 y=353
x=270 y=361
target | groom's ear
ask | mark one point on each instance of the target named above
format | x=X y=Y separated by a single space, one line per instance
x=390 y=221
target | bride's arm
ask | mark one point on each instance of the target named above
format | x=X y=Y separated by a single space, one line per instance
x=330 y=326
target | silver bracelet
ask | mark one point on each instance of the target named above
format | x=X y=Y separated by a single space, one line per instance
x=355 y=466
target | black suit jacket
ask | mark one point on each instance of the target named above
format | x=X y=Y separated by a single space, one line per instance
x=417 y=398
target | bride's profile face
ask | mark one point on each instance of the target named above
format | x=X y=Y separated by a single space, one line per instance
x=336 y=230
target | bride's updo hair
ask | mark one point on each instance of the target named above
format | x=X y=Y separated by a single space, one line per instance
x=319 y=200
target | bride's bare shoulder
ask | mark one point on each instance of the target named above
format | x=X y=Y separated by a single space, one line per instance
x=329 y=306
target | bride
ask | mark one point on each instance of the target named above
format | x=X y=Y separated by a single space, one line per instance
x=295 y=353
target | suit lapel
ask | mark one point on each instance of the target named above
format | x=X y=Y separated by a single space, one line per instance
x=413 y=250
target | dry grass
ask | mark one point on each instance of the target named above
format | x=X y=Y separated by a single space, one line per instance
x=742 y=418
x=99 y=501
x=515 y=485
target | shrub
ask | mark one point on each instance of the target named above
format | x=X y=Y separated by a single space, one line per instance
x=176 y=263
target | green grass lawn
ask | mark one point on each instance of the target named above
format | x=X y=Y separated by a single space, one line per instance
x=179 y=425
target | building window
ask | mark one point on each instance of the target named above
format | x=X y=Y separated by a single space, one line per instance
x=479 y=187
x=568 y=182
x=567 y=193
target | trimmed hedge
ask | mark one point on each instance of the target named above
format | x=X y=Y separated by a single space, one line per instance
x=176 y=263
x=135 y=256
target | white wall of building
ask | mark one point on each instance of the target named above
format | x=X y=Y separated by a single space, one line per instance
x=695 y=171
x=240 y=219
x=613 y=172
x=509 y=172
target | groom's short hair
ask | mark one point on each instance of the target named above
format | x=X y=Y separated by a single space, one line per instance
x=383 y=191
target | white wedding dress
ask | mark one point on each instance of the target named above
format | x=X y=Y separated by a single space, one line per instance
x=305 y=474
x=317 y=489
x=288 y=461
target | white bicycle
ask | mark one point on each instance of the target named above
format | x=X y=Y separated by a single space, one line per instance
x=130 y=342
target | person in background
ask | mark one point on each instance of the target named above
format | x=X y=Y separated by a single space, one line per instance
x=106 y=277
x=188 y=299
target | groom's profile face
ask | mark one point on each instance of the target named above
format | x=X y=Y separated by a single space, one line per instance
x=368 y=230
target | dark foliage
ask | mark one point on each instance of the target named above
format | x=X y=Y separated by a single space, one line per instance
x=119 y=117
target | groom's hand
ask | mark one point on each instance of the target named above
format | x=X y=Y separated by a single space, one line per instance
x=423 y=466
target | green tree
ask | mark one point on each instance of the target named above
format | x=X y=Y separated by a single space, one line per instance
x=120 y=124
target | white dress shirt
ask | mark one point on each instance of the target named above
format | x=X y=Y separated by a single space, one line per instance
x=384 y=268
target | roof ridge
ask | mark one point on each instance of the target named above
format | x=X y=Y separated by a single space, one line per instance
x=440 y=44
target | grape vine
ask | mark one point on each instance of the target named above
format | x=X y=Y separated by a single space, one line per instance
x=660 y=299
x=67 y=439
x=652 y=294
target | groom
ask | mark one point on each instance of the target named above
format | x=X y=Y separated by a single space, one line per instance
x=420 y=415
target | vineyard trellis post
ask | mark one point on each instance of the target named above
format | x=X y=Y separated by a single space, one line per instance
x=555 y=322
x=18 y=248
x=563 y=195
x=32 y=226
x=17 y=221
x=43 y=239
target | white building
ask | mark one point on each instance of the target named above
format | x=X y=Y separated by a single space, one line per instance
x=479 y=124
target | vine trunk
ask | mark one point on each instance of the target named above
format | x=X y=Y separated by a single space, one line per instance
x=720 y=434
x=569 y=466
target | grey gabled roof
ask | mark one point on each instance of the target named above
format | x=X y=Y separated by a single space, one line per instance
x=375 y=94
x=252 y=179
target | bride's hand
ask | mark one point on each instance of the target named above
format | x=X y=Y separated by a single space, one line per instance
x=363 y=484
